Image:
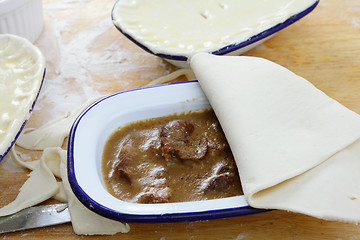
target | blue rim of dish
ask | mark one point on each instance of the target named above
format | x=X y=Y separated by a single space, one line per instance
x=231 y=47
x=24 y=123
x=98 y=208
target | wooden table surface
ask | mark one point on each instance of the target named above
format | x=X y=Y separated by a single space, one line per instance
x=87 y=57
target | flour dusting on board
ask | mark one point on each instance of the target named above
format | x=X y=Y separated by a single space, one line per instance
x=77 y=57
x=64 y=4
x=71 y=63
x=241 y=236
x=355 y=22
x=9 y=165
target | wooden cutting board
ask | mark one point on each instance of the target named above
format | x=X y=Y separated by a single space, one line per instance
x=87 y=57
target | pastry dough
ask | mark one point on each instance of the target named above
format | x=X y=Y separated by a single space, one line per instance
x=51 y=157
x=22 y=67
x=296 y=148
x=172 y=76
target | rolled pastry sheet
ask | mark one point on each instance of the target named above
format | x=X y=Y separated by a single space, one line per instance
x=296 y=148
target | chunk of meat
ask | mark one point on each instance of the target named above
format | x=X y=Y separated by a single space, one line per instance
x=220 y=182
x=177 y=130
x=157 y=196
x=151 y=198
x=222 y=179
x=197 y=151
x=122 y=169
x=175 y=140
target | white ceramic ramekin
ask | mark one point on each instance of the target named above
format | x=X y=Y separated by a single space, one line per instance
x=22 y=17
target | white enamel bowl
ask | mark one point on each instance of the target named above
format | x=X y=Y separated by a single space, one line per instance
x=22 y=72
x=235 y=48
x=90 y=132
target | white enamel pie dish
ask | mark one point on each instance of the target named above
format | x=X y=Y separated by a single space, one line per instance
x=177 y=30
x=22 y=71
x=90 y=132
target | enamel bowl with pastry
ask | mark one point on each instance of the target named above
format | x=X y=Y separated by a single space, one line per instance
x=176 y=30
x=154 y=154
x=22 y=70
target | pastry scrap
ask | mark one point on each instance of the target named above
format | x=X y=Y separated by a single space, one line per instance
x=40 y=186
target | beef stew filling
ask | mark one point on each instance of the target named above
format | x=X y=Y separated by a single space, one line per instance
x=176 y=158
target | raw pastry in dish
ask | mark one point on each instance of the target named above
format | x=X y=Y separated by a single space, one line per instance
x=182 y=28
x=22 y=68
x=296 y=148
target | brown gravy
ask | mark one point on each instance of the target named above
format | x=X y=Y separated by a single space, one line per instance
x=176 y=158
